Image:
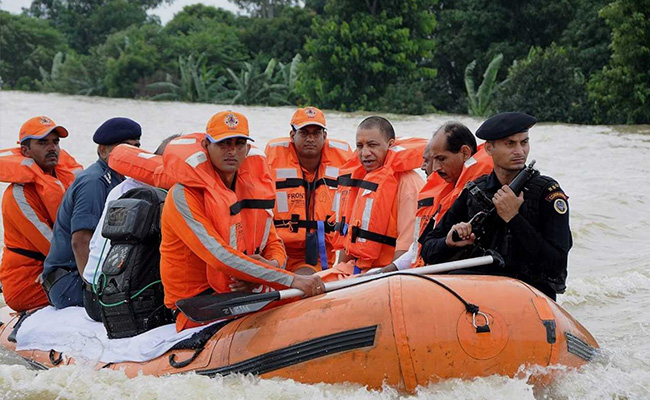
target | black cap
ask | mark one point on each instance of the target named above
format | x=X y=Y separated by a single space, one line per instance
x=505 y=124
x=117 y=130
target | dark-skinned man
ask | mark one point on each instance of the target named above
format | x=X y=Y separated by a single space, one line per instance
x=530 y=231
x=39 y=172
x=305 y=167
x=217 y=227
x=451 y=159
x=79 y=213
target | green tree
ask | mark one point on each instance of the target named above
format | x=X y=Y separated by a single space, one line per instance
x=281 y=37
x=256 y=86
x=481 y=103
x=131 y=56
x=26 y=44
x=480 y=29
x=197 y=83
x=70 y=74
x=263 y=8
x=87 y=23
x=620 y=92
x=204 y=30
x=359 y=49
x=588 y=36
x=547 y=84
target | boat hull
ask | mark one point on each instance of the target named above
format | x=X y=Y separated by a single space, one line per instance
x=403 y=331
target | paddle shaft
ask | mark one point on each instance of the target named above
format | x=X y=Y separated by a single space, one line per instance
x=425 y=270
x=208 y=308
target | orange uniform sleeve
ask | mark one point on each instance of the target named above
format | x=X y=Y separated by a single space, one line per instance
x=274 y=249
x=24 y=211
x=200 y=236
x=407 y=196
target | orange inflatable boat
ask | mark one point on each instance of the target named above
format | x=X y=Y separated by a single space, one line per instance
x=401 y=330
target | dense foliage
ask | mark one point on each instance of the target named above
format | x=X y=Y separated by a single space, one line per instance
x=580 y=61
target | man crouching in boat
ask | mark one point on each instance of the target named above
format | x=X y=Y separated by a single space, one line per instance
x=451 y=159
x=531 y=230
x=217 y=223
x=39 y=172
x=376 y=197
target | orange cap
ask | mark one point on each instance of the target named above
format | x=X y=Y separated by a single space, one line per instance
x=226 y=125
x=39 y=127
x=308 y=116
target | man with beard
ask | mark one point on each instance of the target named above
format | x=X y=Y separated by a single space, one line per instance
x=529 y=230
x=38 y=173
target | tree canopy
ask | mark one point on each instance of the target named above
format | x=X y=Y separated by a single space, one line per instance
x=582 y=61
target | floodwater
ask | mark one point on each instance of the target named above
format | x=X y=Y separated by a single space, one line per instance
x=604 y=169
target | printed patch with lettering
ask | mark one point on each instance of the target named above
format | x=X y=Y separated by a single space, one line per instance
x=558 y=194
x=560 y=206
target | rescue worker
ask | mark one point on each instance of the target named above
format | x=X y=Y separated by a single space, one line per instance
x=530 y=231
x=451 y=159
x=79 y=213
x=377 y=196
x=305 y=167
x=38 y=172
x=217 y=227
x=99 y=245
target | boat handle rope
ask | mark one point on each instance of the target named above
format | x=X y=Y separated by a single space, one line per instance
x=58 y=360
x=185 y=363
x=481 y=328
x=469 y=307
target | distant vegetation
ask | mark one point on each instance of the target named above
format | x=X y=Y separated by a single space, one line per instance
x=578 y=61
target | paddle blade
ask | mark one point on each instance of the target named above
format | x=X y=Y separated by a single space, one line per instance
x=207 y=308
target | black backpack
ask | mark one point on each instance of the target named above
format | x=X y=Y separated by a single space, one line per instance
x=129 y=289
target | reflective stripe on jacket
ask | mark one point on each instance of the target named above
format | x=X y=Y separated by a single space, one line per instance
x=294 y=190
x=367 y=206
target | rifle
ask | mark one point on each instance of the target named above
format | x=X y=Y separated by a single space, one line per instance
x=478 y=220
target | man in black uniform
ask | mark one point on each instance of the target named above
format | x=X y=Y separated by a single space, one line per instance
x=531 y=231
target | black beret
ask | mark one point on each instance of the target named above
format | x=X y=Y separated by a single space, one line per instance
x=505 y=124
x=117 y=130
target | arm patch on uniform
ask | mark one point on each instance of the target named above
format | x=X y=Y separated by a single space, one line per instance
x=560 y=206
x=557 y=194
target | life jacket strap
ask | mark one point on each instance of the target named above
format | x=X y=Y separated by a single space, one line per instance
x=251 y=204
x=428 y=202
x=34 y=255
x=346 y=180
x=372 y=236
x=294 y=224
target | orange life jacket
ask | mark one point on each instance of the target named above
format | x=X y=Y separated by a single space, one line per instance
x=367 y=206
x=293 y=191
x=437 y=196
x=29 y=210
x=140 y=165
x=249 y=222
x=15 y=168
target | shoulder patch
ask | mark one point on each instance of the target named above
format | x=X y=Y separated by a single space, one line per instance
x=560 y=206
x=558 y=194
